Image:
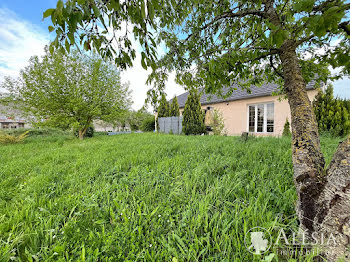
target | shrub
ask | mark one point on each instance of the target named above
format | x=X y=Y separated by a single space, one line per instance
x=42 y=131
x=332 y=114
x=163 y=108
x=217 y=123
x=286 y=129
x=148 y=124
x=193 y=117
x=12 y=139
x=174 y=107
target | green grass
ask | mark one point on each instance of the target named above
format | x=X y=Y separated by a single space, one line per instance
x=143 y=197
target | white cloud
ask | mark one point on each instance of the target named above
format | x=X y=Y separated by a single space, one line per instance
x=19 y=40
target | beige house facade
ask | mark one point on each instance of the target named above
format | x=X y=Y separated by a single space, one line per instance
x=259 y=112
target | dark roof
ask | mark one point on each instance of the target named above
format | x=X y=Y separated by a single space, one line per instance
x=265 y=90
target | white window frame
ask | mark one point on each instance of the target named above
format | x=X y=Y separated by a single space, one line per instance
x=265 y=118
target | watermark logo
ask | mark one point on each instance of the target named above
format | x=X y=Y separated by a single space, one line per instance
x=257 y=240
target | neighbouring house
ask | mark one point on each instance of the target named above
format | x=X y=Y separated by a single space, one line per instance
x=102 y=126
x=12 y=118
x=259 y=112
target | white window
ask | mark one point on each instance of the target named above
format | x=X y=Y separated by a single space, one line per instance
x=261 y=118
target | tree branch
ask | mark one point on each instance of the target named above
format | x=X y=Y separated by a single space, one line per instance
x=274 y=68
x=229 y=14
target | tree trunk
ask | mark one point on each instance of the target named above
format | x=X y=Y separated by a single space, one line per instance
x=81 y=134
x=323 y=205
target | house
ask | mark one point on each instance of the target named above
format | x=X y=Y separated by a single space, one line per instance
x=102 y=126
x=10 y=123
x=259 y=112
x=12 y=118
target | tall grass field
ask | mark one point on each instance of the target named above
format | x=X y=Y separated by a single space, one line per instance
x=145 y=197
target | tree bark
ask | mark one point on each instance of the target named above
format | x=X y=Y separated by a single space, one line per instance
x=323 y=205
x=81 y=134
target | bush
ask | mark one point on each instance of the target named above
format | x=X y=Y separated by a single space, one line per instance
x=286 y=129
x=193 y=117
x=217 y=123
x=89 y=132
x=42 y=131
x=163 y=108
x=148 y=124
x=12 y=139
x=332 y=114
x=174 y=108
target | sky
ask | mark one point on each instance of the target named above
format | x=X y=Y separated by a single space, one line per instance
x=23 y=34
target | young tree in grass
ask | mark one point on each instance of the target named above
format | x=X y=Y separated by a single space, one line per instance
x=70 y=91
x=214 y=43
x=286 y=128
x=163 y=108
x=174 y=107
x=193 y=118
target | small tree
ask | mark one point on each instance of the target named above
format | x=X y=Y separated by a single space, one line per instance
x=331 y=113
x=174 y=108
x=163 y=108
x=193 y=117
x=217 y=123
x=286 y=129
x=70 y=91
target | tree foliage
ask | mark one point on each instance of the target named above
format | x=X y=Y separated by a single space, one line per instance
x=174 y=107
x=332 y=113
x=193 y=117
x=163 y=108
x=148 y=124
x=70 y=91
x=224 y=40
x=137 y=118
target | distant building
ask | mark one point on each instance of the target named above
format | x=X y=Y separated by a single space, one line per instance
x=8 y=123
x=102 y=126
x=12 y=117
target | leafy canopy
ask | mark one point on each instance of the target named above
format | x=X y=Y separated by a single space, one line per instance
x=70 y=91
x=209 y=43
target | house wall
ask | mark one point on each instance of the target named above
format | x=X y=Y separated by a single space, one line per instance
x=235 y=113
x=101 y=126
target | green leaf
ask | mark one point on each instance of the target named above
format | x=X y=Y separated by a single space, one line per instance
x=143 y=63
x=96 y=11
x=67 y=45
x=143 y=9
x=60 y=5
x=48 y=12
x=51 y=28
x=86 y=46
x=150 y=10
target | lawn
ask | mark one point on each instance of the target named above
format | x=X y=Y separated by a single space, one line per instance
x=143 y=197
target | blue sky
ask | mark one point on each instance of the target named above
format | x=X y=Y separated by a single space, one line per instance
x=24 y=34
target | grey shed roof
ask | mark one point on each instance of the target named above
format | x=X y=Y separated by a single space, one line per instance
x=238 y=94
